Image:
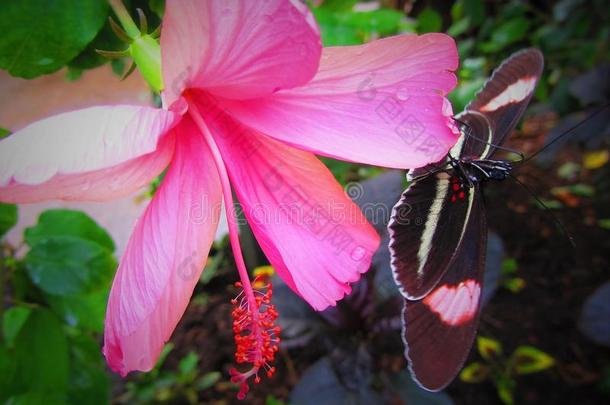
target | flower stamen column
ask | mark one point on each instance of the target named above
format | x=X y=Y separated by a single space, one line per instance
x=256 y=336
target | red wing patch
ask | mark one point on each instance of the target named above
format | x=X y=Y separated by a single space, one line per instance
x=455 y=305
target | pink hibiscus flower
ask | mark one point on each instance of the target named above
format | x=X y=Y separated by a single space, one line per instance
x=250 y=96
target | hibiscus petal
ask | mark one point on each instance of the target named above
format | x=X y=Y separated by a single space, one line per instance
x=164 y=257
x=240 y=49
x=315 y=237
x=382 y=103
x=97 y=153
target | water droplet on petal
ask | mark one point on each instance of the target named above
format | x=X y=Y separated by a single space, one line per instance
x=402 y=94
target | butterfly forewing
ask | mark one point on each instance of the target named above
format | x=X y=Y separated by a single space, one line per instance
x=426 y=230
x=439 y=329
x=503 y=99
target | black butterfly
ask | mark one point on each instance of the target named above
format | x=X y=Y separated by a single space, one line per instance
x=438 y=230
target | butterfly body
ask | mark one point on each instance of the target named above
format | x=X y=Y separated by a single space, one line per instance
x=438 y=229
x=474 y=171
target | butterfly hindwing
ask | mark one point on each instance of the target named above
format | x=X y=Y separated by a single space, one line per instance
x=438 y=330
x=427 y=226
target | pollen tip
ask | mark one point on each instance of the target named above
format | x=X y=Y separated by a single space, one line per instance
x=256 y=336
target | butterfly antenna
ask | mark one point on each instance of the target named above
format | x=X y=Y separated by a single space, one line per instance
x=469 y=133
x=547 y=210
x=575 y=127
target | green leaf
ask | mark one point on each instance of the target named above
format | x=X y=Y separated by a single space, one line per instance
x=465 y=47
x=550 y=204
x=65 y=265
x=162 y=357
x=188 y=363
x=8 y=218
x=568 y=170
x=85 y=312
x=506 y=33
x=509 y=266
x=528 y=359
x=73 y=74
x=383 y=21
x=41 y=354
x=457 y=10
x=211 y=267
x=514 y=285
x=12 y=322
x=37 y=398
x=59 y=222
x=339 y=5
x=353 y=28
x=337 y=35
x=475 y=373
x=208 y=380
x=474 y=11
x=7 y=373
x=505 y=388
x=459 y=27
x=4 y=133
x=89 y=382
x=343 y=171
x=429 y=20
x=118 y=67
x=105 y=40
x=158 y=6
x=582 y=190
x=271 y=400
x=488 y=348
x=41 y=36
x=463 y=94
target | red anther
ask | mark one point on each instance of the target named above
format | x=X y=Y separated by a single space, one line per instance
x=462 y=195
x=256 y=335
x=456 y=186
x=453 y=198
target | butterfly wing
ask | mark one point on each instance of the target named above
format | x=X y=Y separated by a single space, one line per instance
x=426 y=230
x=498 y=107
x=439 y=264
x=438 y=330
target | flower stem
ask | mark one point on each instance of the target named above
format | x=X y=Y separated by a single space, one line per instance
x=123 y=15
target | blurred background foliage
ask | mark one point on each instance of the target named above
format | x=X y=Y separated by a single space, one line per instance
x=55 y=284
